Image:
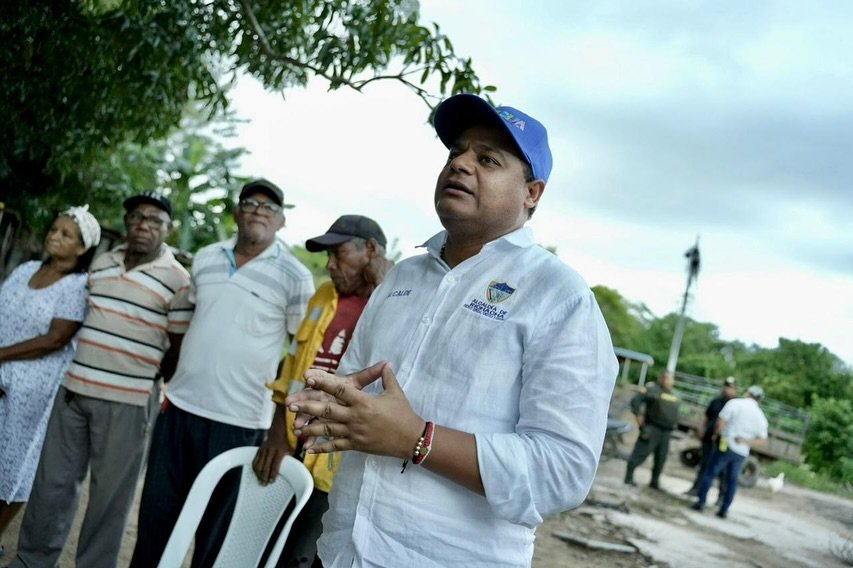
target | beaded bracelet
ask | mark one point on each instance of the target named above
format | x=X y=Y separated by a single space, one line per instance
x=422 y=448
x=425 y=446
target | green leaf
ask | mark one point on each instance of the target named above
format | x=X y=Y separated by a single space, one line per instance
x=111 y=75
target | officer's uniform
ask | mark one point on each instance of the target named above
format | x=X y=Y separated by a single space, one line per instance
x=661 y=417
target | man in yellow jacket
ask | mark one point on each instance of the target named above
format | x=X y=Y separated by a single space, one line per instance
x=357 y=265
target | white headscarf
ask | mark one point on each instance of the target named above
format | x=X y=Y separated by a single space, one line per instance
x=90 y=229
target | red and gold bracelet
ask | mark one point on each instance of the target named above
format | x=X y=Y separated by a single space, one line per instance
x=424 y=444
x=423 y=447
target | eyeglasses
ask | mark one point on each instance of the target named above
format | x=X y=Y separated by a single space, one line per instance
x=254 y=206
x=151 y=220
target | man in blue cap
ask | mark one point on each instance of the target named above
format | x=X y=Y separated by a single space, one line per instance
x=495 y=366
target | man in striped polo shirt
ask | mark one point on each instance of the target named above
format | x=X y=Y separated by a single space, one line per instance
x=250 y=292
x=138 y=311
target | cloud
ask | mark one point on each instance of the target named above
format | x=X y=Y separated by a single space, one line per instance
x=667 y=120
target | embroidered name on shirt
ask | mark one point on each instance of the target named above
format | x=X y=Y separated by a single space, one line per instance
x=399 y=293
x=485 y=309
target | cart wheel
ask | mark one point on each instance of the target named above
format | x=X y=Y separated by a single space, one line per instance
x=749 y=473
x=691 y=456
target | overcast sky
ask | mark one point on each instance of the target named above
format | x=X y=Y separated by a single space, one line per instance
x=667 y=120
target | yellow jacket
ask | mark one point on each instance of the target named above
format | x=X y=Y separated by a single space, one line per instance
x=300 y=357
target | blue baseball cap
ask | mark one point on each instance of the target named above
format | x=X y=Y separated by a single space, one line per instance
x=460 y=112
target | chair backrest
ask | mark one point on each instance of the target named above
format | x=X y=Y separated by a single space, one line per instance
x=257 y=512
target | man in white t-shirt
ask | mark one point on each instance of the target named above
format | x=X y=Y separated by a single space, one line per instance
x=250 y=293
x=740 y=425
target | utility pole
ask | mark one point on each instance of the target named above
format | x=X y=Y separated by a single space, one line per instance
x=692 y=274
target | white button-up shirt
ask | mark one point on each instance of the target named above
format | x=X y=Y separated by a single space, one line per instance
x=510 y=346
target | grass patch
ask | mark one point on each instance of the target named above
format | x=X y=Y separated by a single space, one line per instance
x=803 y=476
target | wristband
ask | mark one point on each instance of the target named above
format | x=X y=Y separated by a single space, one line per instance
x=422 y=448
x=424 y=445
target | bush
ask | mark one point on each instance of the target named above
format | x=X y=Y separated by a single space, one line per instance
x=829 y=443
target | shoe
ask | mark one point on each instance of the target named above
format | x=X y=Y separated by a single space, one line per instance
x=630 y=482
x=722 y=514
x=654 y=485
x=692 y=492
x=696 y=506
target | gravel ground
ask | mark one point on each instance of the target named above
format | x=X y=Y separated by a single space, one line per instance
x=791 y=529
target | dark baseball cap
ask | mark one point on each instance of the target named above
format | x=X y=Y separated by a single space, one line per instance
x=460 y=112
x=344 y=229
x=154 y=198
x=266 y=187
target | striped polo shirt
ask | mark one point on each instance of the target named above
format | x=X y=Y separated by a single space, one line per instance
x=235 y=341
x=125 y=333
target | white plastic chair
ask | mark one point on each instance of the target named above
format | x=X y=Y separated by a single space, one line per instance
x=256 y=514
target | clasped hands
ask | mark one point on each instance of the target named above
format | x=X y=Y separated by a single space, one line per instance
x=333 y=415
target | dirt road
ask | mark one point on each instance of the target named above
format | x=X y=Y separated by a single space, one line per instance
x=794 y=528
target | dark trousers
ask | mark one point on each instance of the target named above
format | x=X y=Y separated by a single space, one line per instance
x=181 y=446
x=652 y=439
x=708 y=447
x=729 y=462
x=301 y=547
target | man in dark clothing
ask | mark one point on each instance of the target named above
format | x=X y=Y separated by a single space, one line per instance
x=714 y=407
x=656 y=409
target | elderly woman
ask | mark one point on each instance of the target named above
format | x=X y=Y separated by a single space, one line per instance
x=42 y=305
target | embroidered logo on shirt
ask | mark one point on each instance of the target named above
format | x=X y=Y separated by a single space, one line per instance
x=398 y=293
x=497 y=292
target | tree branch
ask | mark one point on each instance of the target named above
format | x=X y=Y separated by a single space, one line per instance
x=267 y=50
x=425 y=95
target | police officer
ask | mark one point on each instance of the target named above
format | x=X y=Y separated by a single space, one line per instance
x=656 y=409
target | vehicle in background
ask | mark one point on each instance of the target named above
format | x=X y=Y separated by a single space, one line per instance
x=787 y=425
